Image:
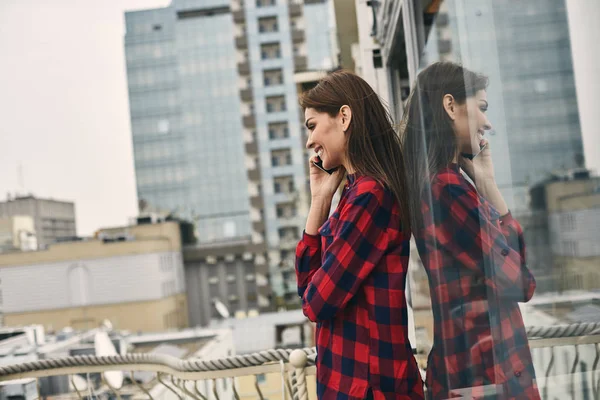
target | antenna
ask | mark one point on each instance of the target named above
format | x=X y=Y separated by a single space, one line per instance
x=104 y=347
x=21 y=178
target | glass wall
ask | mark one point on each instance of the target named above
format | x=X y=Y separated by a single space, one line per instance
x=488 y=289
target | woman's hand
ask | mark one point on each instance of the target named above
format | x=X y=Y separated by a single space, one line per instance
x=481 y=168
x=481 y=172
x=322 y=189
x=323 y=185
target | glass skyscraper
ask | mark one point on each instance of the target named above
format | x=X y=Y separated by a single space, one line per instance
x=524 y=48
x=185 y=116
x=217 y=131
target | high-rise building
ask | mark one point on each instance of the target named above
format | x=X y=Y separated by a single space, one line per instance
x=54 y=220
x=525 y=50
x=217 y=134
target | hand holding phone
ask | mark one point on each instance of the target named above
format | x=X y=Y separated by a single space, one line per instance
x=472 y=156
x=319 y=164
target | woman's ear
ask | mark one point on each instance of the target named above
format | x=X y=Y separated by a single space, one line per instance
x=345 y=115
x=450 y=106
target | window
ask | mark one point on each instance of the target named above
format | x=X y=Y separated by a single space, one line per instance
x=278 y=130
x=281 y=157
x=273 y=77
x=275 y=104
x=261 y=378
x=286 y=210
x=265 y=3
x=289 y=233
x=267 y=24
x=270 y=51
x=284 y=184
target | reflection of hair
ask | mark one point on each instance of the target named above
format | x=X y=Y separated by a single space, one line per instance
x=428 y=139
x=373 y=147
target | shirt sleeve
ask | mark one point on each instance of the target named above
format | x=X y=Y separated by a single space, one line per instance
x=491 y=247
x=308 y=260
x=359 y=241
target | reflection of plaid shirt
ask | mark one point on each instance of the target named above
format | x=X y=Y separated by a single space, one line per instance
x=475 y=260
x=351 y=278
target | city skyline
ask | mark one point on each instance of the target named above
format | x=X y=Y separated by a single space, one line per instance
x=65 y=132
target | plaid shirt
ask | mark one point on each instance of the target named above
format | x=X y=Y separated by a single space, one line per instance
x=475 y=261
x=351 y=278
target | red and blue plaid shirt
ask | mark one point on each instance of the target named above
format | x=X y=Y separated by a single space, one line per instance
x=475 y=260
x=351 y=278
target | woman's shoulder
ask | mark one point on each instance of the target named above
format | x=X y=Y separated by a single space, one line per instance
x=367 y=186
x=450 y=181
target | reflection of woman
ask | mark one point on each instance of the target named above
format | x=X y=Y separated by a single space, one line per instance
x=351 y=267
x=471 y=247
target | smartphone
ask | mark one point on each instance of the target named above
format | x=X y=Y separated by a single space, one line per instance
x=319 y=164
x=472 y=156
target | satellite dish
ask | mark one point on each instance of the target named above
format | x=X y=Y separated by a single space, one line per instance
x=104 y=347
x=107 y=325
x=222 y=309
x=78 y=383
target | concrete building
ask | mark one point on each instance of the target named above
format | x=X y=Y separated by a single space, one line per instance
x=225 y=273
x=574 y=226
x=216 y=130
x=54 y=220
x=132 y=276
x=17 y=233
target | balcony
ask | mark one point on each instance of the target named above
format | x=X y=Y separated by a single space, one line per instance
x=562 y=349
x=252 y=148
x=244 y=68
x=300 y=63
x=295 y=10
x=254 y=175
x=249 y=121
x=297 y=35
x=239 y=16
x=258 y=226
x=241 y=42
x=186 y=379
x=559 y=352
x=256 y=201
x=246 y=95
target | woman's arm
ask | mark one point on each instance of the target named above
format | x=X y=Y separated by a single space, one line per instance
x=495 y=248
x=359 y=243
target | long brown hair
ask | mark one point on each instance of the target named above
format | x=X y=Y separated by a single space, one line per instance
x=373 y=146
x=428 y=139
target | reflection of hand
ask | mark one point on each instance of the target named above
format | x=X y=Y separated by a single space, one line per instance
x=481 y=172
x=323 y=185
x=481 y=168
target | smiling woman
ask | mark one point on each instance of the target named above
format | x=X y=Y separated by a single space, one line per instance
x=351 y=267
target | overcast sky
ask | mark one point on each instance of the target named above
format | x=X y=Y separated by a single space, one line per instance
x=64 y=114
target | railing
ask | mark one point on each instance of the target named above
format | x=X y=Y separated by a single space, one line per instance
x=566 y=358
x=175 y=378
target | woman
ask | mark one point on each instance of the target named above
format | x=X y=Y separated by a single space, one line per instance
x=351 y=267
x=470 y=245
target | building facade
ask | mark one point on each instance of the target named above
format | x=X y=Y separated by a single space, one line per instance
x=132 y=276
x=17 y=233
x=216 y=128
x=54 y=220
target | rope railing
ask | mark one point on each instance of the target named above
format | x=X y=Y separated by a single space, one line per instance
x=157 y=360
x=297 y=359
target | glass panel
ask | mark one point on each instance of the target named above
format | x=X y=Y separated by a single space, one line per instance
x=500 y=143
